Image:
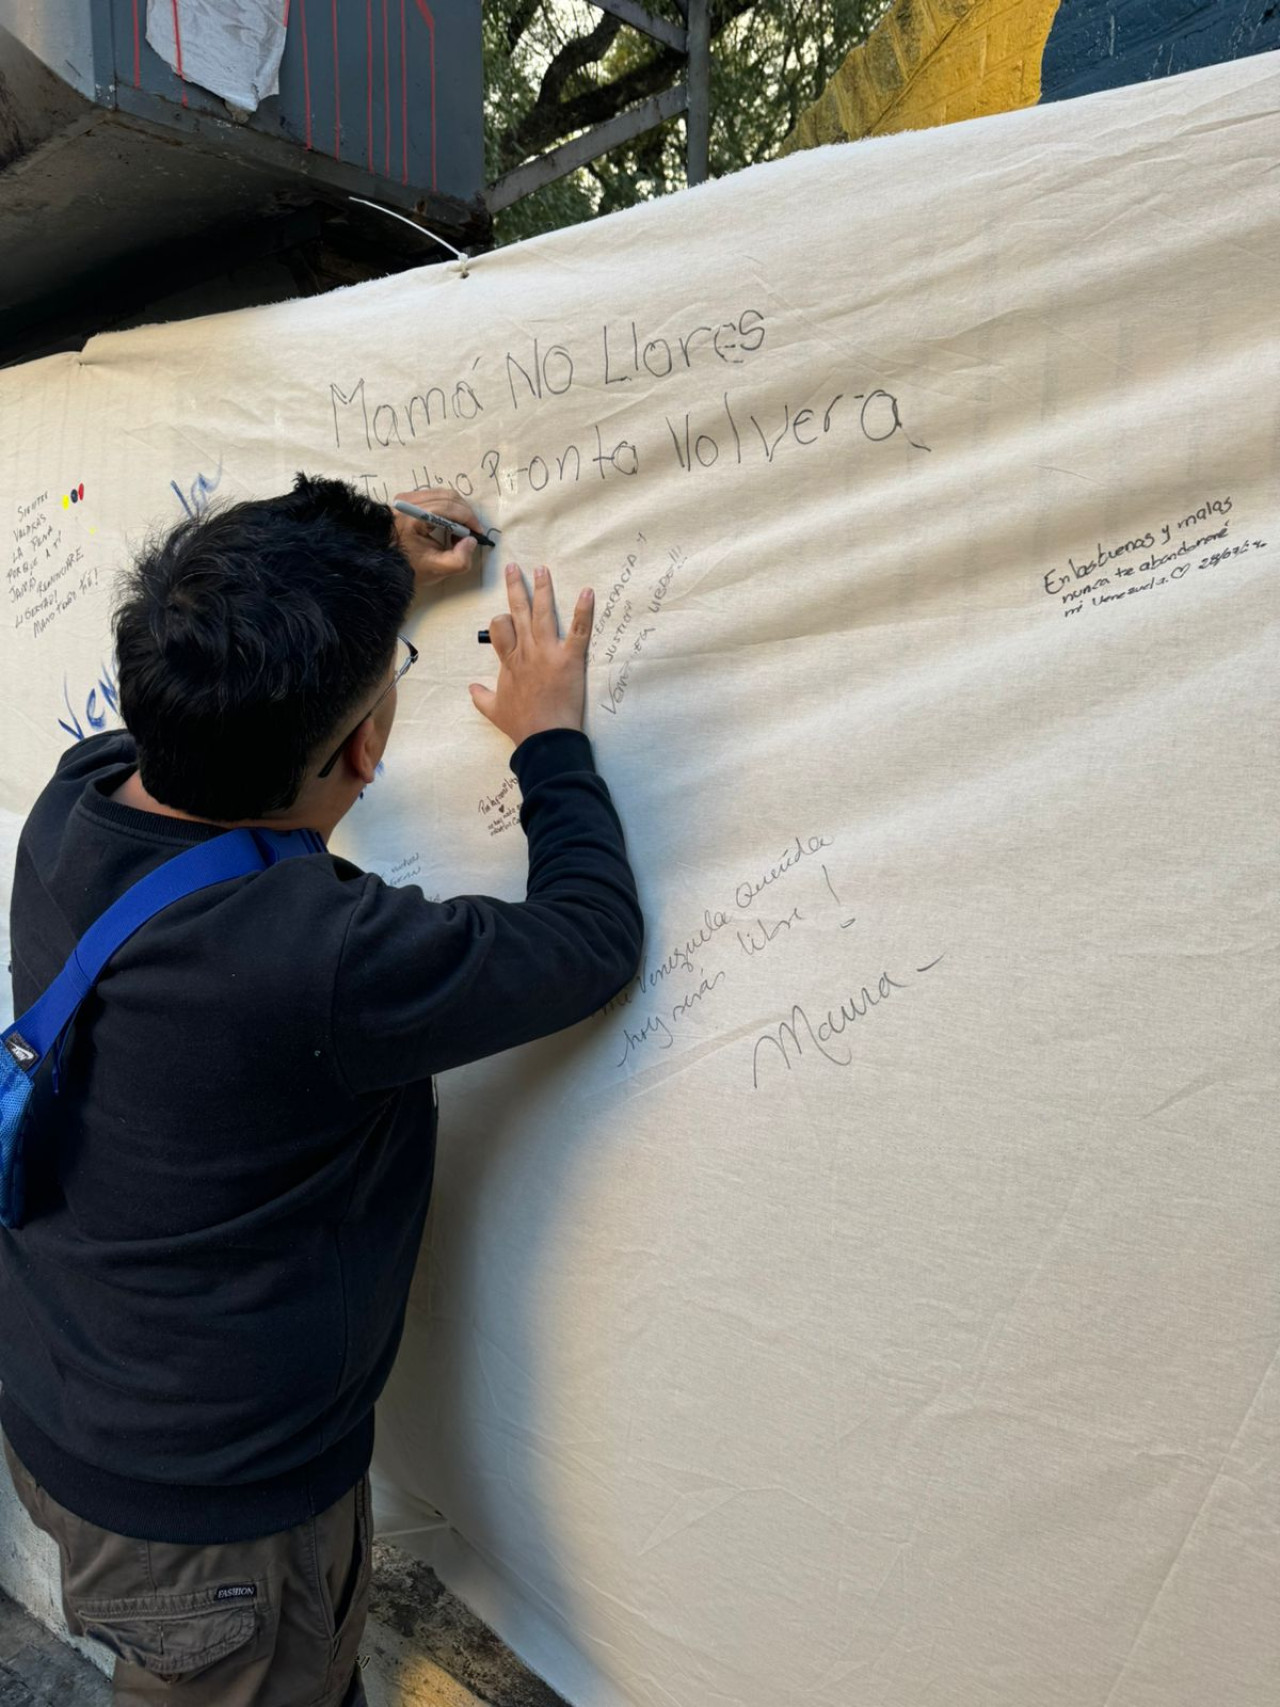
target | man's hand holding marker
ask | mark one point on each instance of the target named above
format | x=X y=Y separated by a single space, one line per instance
x=541 y=678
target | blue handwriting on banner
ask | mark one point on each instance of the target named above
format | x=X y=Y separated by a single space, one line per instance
x=196 y=500
x=101 y=702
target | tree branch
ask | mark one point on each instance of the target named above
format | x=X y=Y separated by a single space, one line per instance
x=538 y=123
x=550 y=119
x=519 y=21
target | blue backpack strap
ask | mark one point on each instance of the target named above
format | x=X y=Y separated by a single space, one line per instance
x=236 y=853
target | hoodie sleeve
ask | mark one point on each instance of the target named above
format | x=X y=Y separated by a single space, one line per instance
x=423 y=986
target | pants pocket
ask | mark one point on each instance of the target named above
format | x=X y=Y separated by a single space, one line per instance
x=361 y=1560
x=170 y=1635
x=344 y=1537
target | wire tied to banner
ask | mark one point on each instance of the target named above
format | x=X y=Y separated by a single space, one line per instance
x=460 y=266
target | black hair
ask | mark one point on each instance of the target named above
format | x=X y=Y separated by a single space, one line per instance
x=248 y=635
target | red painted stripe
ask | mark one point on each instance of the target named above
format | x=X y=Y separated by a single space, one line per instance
x=137 y=50
x=306 y=69
x=286 y=14
x=431 y=37
x=386 y=84
x=368 y=33
x=177 y=50
x=337 y=89
x=404 y=103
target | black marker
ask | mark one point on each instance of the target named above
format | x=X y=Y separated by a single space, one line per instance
x=459 y=530
x=483 y=637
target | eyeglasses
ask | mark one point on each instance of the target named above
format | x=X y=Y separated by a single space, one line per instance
x=409 y=661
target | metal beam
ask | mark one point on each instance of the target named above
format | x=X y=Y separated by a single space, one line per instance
x=698 y=122
x=589 y=146
x=635 y=15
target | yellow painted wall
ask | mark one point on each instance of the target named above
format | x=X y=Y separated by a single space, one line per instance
x=930 y=62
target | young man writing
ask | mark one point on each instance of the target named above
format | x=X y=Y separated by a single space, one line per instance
x=226 y=1197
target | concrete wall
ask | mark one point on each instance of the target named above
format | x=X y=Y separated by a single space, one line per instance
x=29 y=1570
x=56 y=31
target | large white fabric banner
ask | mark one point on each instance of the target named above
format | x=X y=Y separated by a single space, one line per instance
x=877 y=1303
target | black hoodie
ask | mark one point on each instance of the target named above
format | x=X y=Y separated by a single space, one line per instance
x=226 y=1197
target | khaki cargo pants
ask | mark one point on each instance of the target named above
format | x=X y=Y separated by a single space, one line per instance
x=269 y=1623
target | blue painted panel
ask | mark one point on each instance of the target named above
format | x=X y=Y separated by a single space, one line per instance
x=1099 y=44
x=393 y=87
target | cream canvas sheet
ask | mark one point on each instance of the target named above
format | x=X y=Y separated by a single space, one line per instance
x=877 y=1303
